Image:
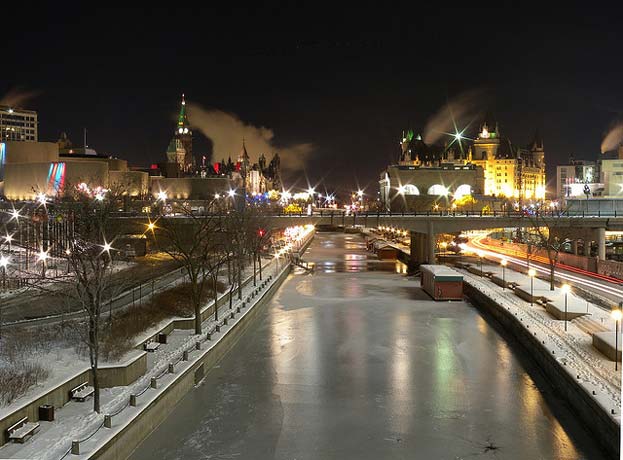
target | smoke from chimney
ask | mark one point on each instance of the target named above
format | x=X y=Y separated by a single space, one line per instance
x=227 y=130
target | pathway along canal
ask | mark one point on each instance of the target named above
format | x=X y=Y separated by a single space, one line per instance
x=356 y=362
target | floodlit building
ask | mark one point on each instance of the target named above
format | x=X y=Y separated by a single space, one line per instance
x=18 y=125
x=510 y=171
x=487 y=169
x=29 y=168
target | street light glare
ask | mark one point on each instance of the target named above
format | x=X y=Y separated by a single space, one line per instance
x=532 y=273
x=616 y=314
x=231 y=193
x=504 y=262
x=565 y=288
x=4 y=261
x=42 y=256
x=162 y=195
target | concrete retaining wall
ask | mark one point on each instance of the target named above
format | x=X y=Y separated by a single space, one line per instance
x=605 y=429
x=135 y=431
x=58 y=396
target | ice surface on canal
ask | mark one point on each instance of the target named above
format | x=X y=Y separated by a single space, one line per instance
x=356 y=362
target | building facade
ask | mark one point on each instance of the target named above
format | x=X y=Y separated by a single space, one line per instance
x=18 y=125
x=487 y=169
x=510 y=172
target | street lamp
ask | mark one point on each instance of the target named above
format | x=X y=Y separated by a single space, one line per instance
x=532 y=274
x=566 y=288
x=4 y=261
x=480 y=255
x=616 y=315
x=503 y=263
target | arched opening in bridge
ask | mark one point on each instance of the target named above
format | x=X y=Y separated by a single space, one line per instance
x=438 y=190
x=410 y=189
x=462 y=190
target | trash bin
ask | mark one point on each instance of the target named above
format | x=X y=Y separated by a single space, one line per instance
x=46 y=413
x=162 y=338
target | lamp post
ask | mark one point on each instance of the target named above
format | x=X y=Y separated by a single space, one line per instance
x=532 y=274
x=616 y=315
x=503 y=263
x=480 y=255
x=566 y=288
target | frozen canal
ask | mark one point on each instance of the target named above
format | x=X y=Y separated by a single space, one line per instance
x=358 y=363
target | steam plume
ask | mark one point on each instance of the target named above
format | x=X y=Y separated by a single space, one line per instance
x=226 y=132
x=613 y=137
x=17 y=97
x=459 y=111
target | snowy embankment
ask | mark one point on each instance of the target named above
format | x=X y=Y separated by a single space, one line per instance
x=586 y=377
x=572 y=348
x=77 y=421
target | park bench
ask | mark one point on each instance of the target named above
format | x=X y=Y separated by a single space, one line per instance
x=151 y=345
x=22 y=429
x=81 y=392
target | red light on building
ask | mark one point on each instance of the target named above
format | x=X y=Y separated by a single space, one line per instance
x=217 y=167
x=153 y=166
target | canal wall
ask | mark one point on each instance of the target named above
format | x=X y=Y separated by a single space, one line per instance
x=129 y=436
x=594 y=416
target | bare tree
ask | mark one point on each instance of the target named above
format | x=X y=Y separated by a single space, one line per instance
x=551 y=237
x=88 y=253
x=194 y=240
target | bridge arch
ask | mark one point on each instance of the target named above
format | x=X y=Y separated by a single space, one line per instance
x=462 y=190
x=438 y=189
x=411 y=189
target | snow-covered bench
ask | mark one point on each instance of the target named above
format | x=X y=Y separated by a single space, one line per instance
x=19 y=431
x=151 y=345
x=81 y=392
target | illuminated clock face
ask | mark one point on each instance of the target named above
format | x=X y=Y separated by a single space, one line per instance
x=181 y=130
x=484 y=134
x=185 y=130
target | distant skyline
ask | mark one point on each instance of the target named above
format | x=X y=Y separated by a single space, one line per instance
x=344 y=83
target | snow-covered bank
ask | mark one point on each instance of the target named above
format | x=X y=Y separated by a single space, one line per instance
x=582 y=375
x=77 y=421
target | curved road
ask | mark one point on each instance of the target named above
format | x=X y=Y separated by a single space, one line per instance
x=607 y=287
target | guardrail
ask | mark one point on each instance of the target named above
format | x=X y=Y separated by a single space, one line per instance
x=431 y=213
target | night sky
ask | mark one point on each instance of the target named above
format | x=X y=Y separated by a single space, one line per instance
x=346 y=80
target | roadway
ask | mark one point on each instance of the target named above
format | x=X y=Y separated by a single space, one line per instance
x=592 y=283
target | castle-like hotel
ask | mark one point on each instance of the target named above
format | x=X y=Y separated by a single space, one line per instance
x=487 y=168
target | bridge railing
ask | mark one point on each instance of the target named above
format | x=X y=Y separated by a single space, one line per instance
x=338 y=214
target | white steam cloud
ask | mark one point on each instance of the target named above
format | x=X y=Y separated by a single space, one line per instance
x=461 y=111
x=613 y=138
x=226 y=132
x=17 y=97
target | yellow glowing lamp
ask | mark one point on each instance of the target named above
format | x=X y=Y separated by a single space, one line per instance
x=532 y=273
x=616 y=314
